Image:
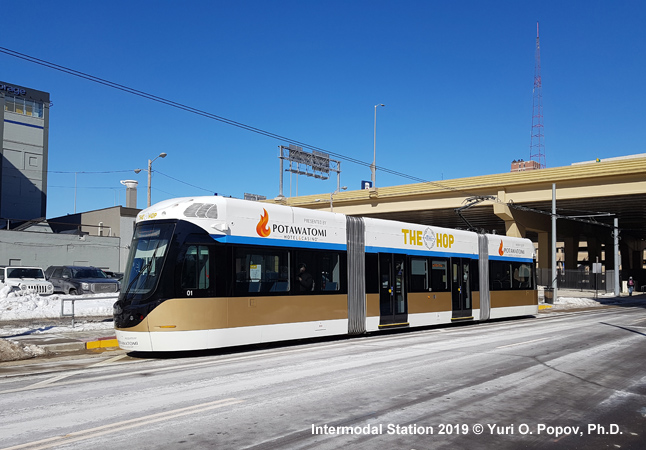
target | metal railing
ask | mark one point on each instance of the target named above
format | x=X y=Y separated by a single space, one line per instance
x=578 y=279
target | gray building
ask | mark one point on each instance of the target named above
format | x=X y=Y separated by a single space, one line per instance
x=24 y=134
x=114 y=222
x=98 y=238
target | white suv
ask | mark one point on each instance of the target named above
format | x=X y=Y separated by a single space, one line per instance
x=25 y=279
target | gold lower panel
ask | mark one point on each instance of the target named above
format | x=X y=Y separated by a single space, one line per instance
x=216 y=313
x=500 y=299
x=425 y=302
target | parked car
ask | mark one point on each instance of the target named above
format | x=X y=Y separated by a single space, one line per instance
x=25 y=279
x=116 y=275
x=80 y=280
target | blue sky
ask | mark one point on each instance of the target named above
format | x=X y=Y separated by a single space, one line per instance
x=456 y=78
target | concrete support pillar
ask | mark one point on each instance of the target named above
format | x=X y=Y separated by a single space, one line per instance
x=594 y=250
x=571 y=252
x=544 y=250
x=514 y=219
x=514 y=229
x=636 y=260
x=625 y=255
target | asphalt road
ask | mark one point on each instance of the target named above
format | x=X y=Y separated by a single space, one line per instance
x=562 y=380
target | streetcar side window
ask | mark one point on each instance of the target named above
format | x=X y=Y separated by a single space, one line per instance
x=329 y=272
x=475 y=276
x=500 y=275
x=372 y=273
x=419 y=275
x=440 y=275
x=525 y=276
x=261 y=271
x=318 y=272
x=195 y=269
x=510 y=275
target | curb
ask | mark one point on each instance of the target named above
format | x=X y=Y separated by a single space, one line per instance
x=108 y=342
x=64 y=347
x=544 y=307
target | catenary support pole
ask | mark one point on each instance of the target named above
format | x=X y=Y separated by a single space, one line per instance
x=554 y=272
x=615 y=236
x=280 y=179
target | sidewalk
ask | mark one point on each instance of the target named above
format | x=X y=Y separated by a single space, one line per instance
x=574 y=298
x=22 y=341
x=37 y=338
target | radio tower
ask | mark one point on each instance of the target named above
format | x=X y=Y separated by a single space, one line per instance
x=537 y=146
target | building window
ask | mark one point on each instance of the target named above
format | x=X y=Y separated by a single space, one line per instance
x=19 y=105
x=9 y=104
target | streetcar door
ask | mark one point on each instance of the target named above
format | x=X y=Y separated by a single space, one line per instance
x=392 y=290
x=461 y=288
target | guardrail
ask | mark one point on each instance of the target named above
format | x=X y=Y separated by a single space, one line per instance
x=72 y=300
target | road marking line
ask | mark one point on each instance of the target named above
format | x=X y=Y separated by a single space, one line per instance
x=123 y=425
x=522 y=343
x=44 y=383
x=157 y=370
x=109 y=360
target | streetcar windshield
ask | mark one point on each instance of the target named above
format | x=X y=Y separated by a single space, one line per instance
x=146 y=259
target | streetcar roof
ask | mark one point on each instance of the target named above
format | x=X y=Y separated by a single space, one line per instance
x=243 y=221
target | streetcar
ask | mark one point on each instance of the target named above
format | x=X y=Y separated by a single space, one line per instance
x=212 y=272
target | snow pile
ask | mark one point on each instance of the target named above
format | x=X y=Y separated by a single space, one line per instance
x=19 y=305
x=15 y=351
x=575 y=302
x=575 y=299
x=29 y=306
x=62 y=329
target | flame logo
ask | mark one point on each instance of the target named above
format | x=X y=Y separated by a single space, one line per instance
x=501 y=252
x=262 y=229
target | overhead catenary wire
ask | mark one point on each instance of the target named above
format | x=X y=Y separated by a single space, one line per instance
x=566 y=217
x=240 y=125
x=200 y=112
x=183 y=182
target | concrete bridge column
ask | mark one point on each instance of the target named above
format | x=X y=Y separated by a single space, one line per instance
x=571 y=252
x=594 y=250
x=514 y=229
x=608 y=255
x=625 y=255
x=544 y=250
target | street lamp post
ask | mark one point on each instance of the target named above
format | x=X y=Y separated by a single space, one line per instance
x=150 y=165
x=373 y=167
x=332 y=196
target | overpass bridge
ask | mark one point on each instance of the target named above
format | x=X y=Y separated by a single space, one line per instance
x=519 y=204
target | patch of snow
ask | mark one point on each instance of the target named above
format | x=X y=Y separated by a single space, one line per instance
x=15 y=351
x=574 y=301
x=26 y=305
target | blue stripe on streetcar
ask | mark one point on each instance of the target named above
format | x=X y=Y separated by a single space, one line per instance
x=226 y=239
x=510 y=258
